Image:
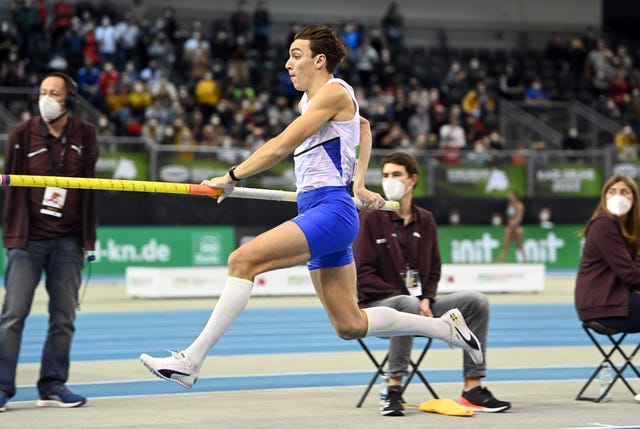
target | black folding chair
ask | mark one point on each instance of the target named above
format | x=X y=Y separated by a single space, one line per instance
x=614 y=351
x=414 y=370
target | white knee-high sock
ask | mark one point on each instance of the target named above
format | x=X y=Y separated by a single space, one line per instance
x=389 y=322
x=232 y=302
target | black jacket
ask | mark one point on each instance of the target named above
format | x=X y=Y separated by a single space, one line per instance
x=608 y=272
x=15 y=218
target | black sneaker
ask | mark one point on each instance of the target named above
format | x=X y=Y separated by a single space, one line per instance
x=393 y=405
x=480 y=399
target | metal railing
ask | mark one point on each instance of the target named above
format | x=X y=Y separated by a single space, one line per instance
x=594 y=124
x=549 y=122
x=518 y=120
x=14 y=100
x=7 y=119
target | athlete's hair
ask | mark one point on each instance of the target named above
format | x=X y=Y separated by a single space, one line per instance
x=323 y=40
x=402 y=158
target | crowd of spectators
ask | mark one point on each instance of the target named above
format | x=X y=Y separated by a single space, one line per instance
x=222 y=83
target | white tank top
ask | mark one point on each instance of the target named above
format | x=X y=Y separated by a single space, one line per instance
x=328 y=157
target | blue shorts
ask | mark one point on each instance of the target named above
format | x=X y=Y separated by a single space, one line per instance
x=329 y=219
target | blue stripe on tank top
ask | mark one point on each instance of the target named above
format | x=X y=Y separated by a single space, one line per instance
x=332 y=147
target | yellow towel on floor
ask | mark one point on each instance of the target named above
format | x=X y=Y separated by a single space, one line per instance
x=448 y=407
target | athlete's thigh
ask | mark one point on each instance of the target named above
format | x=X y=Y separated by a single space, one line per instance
x=336 y=288
x=280 y=247
x=508 y=235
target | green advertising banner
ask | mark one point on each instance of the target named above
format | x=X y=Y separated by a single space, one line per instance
x=562 y=180
x=478 y=182
x=122 y=165
x=558 y=247
x=119 y=165
x=185 y=246
x=630 y=168
x=180 y=246
x=175 y=246
x=279 y=177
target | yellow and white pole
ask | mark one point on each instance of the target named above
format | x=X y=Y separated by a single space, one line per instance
x=32 y=181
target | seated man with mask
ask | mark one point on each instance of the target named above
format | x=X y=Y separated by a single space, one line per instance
x=398 y=265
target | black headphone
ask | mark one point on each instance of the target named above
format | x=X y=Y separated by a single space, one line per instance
x=71 y=87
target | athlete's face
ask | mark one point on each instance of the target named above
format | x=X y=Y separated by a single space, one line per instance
x=301 y=65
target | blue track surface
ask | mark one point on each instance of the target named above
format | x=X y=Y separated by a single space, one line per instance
x=115 y=336
x=279 y=330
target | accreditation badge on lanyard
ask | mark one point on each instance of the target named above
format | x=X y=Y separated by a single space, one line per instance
x=410 y=276
x=53 y=201
x=412 y=282
x=54 y=198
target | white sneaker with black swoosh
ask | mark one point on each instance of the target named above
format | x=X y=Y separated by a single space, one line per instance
x=177 y=368
x=462 y=336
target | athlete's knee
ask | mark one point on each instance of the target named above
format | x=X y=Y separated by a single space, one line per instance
x=240 y=263
x=350 y=331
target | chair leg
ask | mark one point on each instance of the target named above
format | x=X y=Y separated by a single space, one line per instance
x=607 y=355
x=628 y=363
x=618 y=372
x=379 y=371
x=415 y=370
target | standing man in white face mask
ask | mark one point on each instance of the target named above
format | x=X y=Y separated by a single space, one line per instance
x=398 y=265
x=608 y=281
x=47 y=230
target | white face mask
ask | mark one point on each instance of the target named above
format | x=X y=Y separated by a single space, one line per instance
x=618 y=205
x=49 y=109
x=394 y=189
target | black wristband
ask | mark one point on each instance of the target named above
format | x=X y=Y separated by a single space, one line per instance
x=232 y=174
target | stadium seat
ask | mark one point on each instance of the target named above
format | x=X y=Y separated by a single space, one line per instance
x=596 y=331
x=414 y=369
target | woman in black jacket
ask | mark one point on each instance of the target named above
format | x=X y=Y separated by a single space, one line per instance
x=608 y=281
